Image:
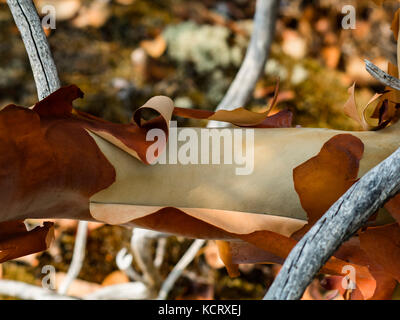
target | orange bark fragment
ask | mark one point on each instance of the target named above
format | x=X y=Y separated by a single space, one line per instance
x=323 y=179
x=382 y=245
x=16 y=241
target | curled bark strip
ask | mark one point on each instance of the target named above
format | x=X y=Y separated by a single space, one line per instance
x=253 y=64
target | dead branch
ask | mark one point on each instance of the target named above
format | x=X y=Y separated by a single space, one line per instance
x=124 y=263
x=382 y=76
x=28 y=292
x=42 y=63
x=77 y=257
x=123 y=291
x=176 y=272
x=141 y=243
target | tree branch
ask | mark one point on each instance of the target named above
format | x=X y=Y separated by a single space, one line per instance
x=176 y=272
x=78 y=257
x=382 y=76
x=42 y=63
x=141 y=243
x=253 y=64
x=28 y=292
x=125 y=291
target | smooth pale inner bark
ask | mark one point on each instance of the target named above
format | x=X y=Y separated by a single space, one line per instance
x=268 y=191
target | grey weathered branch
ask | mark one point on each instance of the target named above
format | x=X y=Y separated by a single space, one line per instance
x=338 y=224
x=141 y=244
x=78 y=257
x=176 y=272
x=125 y=291
x=28 y=292
x=382 y=76
x=42 y=63
x=160 y=252
x=124 y=263
x=253 y=64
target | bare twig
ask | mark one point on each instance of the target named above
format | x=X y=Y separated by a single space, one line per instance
x=124 y=263
x=253 y=64
x=382 y=76
x=43 y=67
x=142 y=247
x=28 y=292
x=160 y=252
x=124 y=291
x=176 y=272
x=77 y=257
x=339 y=223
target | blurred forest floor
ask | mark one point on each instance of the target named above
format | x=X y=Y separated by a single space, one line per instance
x=122 y=52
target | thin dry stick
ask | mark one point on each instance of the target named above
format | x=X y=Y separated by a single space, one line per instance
x=126 y=291
x=160 y=252
x=123 y=291
x=78 y=257
x=42 y=63
x=176 y=272
x=141 y=244
x=26 y=291
x=338 y=224
x=124 y=263
x=253 y=64
x=382 y=76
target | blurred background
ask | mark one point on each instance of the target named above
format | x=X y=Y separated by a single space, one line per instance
x=122 y=52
